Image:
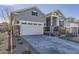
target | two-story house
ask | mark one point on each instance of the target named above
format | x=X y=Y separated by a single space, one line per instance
x=28 y=21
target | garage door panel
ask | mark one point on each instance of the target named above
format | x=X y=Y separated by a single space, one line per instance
x=31 y=29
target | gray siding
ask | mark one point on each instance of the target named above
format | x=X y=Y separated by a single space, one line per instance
x=27 y=16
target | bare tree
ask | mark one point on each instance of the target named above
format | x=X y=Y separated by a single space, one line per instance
x=5 y=12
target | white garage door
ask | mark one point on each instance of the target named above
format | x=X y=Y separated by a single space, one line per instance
x=31 y=28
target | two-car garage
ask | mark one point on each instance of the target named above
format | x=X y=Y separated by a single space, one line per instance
x=28 y=22
x=31 y=28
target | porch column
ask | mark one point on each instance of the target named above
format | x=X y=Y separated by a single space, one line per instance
x=50 y=25
x=57 y=21
x=51 y=21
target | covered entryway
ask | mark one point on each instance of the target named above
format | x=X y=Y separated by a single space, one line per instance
x=31 y=28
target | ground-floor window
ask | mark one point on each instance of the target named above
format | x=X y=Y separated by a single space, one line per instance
x=61 y=23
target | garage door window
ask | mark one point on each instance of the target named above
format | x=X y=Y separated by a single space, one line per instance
x=23 y=22
x=35 y=24
x=30 y=23
x=39 y=24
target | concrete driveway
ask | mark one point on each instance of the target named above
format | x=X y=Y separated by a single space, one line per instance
x=51 y=45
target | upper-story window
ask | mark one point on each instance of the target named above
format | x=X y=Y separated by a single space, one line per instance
x=34 y=13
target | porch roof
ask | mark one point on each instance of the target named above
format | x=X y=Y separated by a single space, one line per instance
x=58 y=11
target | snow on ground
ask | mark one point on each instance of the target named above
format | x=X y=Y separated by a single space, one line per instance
x=49 y=44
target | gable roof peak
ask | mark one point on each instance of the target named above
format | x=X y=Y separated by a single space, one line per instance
x=26 y=9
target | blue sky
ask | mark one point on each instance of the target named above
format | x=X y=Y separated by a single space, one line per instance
x=66 y=9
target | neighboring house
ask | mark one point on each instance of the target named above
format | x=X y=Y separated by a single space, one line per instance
x=74 y=27
x=57 y=19
x=28 y=21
